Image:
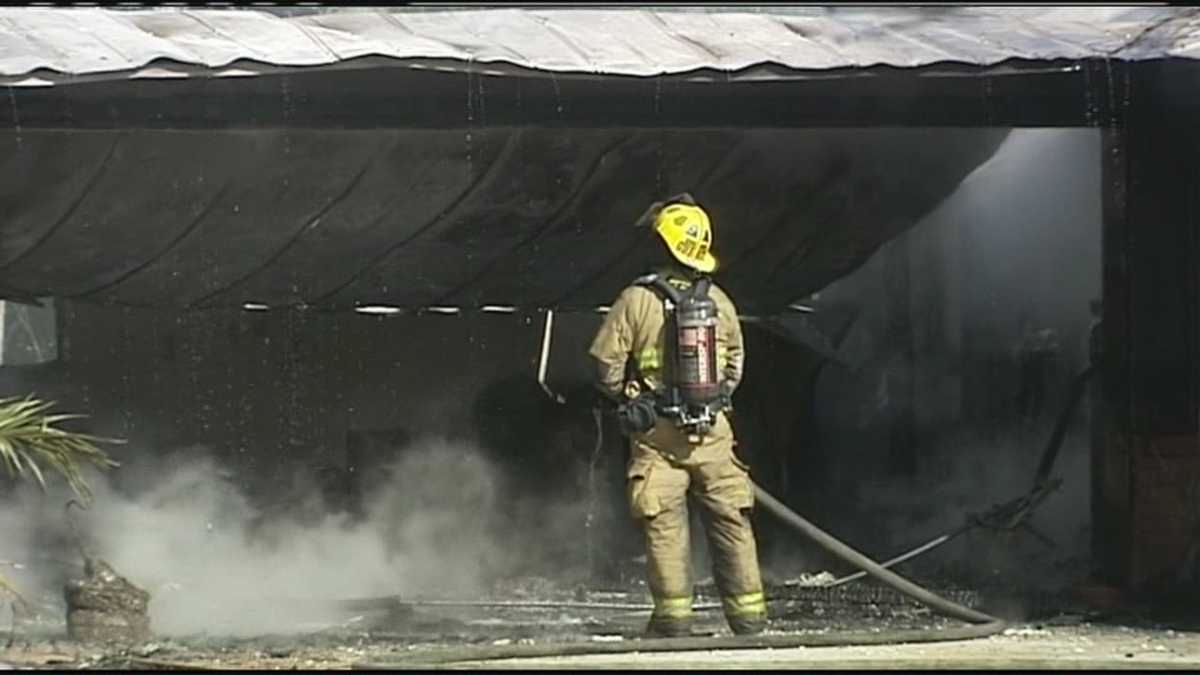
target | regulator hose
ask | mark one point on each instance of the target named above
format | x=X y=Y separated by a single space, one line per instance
x=982 y=625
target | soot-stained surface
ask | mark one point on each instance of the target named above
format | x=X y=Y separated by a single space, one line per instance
x=533 y=217
x=387 y=631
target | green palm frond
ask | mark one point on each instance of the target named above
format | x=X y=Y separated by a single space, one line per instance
x=29 y=441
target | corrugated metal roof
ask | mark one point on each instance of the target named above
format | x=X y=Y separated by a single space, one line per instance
x=53 y=43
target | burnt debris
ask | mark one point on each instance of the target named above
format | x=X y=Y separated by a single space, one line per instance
x=106 y=607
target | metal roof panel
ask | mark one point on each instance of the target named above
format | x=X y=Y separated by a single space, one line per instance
x=617 y=42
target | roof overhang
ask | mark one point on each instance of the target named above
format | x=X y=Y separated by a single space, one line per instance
x=57 y=46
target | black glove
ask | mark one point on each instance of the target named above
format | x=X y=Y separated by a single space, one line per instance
x=599 y=398
x=637 y=415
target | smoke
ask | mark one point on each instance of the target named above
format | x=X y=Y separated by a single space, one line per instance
x=948 y=309
x=216 y=563
x=975 y=475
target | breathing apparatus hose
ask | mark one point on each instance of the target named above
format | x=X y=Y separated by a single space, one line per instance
x=980 y=624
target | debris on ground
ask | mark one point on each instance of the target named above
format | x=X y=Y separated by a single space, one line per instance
x=106 y=607
x=371 y=634
x=811 y=580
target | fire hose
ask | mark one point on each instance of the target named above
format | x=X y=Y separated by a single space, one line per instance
x=1007 y=516
x=980 y=624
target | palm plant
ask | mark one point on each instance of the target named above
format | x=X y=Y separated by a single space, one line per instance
x=29 y=441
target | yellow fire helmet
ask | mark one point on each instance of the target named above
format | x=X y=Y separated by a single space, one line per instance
x=686 y=230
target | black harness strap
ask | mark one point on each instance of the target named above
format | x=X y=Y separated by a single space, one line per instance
x=661 y=287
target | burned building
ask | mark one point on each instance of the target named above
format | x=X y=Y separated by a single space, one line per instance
x=306 y=242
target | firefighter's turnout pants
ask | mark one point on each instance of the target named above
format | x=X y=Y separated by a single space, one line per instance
x=663 y=468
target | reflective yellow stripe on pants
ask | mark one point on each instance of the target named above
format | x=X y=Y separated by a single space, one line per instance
x=742 y=605
x=673 y=608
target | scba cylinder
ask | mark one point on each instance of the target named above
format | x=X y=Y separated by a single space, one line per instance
x=696 y=367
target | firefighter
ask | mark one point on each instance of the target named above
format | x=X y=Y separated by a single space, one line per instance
x=670 y=353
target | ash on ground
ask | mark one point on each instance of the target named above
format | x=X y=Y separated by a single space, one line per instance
x=377 y=628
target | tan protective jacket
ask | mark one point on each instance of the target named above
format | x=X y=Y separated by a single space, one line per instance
x=634 y=327
x=665 y=465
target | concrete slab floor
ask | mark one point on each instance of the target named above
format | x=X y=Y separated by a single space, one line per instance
x=1079 y=647
x=1019 y=648
x=382 y=634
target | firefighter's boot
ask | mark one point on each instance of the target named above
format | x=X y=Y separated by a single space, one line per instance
x=669 y=627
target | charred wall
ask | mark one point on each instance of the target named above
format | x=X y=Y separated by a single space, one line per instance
x=969 y=330
x=335 y=393
x=285 y=400
x=288 y=399
x=1146 y=454
x=533 y=217
x=282 y=389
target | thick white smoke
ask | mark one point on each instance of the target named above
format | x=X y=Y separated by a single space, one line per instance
x=215 y=564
